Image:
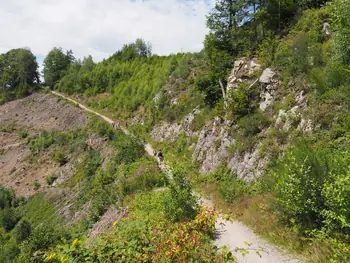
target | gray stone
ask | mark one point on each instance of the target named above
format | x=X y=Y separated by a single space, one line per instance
x=267 y=76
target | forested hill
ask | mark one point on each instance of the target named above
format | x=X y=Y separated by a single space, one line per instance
x=258 y=121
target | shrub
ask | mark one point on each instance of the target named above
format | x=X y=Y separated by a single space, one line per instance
x=254 y=123
x=23 y=231
x=8 y=218
x=36 y=185
x=179 y=202
x=51 y=178
x=7 y=197
x=128 y=150
x=311 y=187
x=238 y=103
x=59 y=157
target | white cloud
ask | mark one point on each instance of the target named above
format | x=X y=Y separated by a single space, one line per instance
x=100 y=27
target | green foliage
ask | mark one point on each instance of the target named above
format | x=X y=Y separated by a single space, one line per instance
x=10 y=128
x=229 y=187
x=18 y=74
x=210 y=87
x=56 y=64
x=146 y=236
x=305 y=179
x=51 y=178
x=238 y=103
x=8 y=218
x=23 y=231
x=302 y=48
x=179 y=202
x=340 y=14
x=36 y=185
x=129 y=150
x=7 y=197
x=267 y=50
x=59 y=157
x=254 y=123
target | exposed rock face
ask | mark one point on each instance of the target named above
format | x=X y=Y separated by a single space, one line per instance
x=166 y=132
x=268 y=87
x=170 y=132
x=212 y=148
x=249 y=166
x=267 y=76
x=242 y=69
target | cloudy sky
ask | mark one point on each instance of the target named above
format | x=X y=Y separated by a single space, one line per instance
x=100 y=27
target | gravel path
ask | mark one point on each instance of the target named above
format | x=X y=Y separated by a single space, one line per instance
x=231 y=234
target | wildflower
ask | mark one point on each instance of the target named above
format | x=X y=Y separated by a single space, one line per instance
x=50 y=257
x=115 y=223
x=63 y=260
x=75 y=241
x=346 y=249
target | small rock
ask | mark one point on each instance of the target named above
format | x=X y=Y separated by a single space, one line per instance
x=267 y=76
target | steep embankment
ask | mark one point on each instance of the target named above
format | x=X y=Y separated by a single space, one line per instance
x=233 y=234
x=26 y=118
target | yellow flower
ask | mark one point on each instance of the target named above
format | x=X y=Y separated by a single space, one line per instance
x=50 y=257
x=62 y=260
x=346 y=249
x=115 y=223
x=75 y=241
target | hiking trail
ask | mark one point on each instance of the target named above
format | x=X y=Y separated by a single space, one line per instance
x=232 y=234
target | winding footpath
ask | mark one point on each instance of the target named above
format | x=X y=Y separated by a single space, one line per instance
x=232 y=234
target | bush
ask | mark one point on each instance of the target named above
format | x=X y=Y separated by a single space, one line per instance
x=179 y=202
x=23 y=231
x=8 y=218
x=311 y=187
x=128 y=150
x=36 y=185
x=229 y=186
x=59 y=157
x=254 y=123
x=238 y=103
x=7 y=197
x=50 y=179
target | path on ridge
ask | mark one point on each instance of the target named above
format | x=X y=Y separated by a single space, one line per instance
x=231 y=234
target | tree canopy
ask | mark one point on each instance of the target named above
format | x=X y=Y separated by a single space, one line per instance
x=56 y=65
x=18 y=72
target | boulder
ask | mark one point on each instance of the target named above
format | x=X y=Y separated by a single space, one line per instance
x=267 y=76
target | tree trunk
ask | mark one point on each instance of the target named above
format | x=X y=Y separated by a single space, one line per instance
x=222 y=89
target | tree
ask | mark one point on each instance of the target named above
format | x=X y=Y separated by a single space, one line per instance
x=18 y=72
x=56 y=65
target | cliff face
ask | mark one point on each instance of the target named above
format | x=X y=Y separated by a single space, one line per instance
x=283 y=104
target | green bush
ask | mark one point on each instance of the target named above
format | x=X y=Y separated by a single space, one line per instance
x=229 y=186
x=311 y=187
x=7 y=197
x=254 y=123
x=238 y=103
x=36 y=185
x=51 y=178
x=8 y=218
x=129 y=150
x=59 y=157
x=23 y=231
x=179 y=203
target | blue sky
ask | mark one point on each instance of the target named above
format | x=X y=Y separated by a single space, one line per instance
x=100 y=27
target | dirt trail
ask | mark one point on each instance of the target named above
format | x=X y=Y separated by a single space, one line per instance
x=231 y=234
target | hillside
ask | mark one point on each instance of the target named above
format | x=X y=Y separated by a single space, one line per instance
x=257 y=122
